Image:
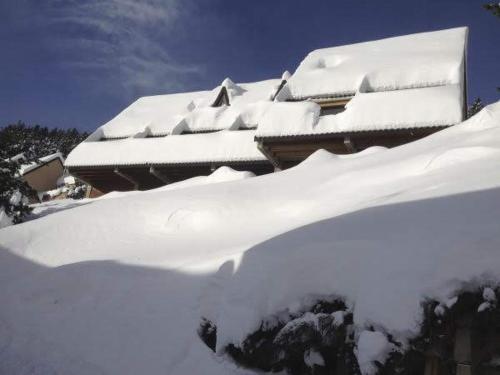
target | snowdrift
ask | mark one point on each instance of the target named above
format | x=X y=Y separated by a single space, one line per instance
x=118 y=286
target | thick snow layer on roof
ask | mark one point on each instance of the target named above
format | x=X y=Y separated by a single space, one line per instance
x=124 y=295
x=191 y=111
x=155 y=114
x=207 y=118
x=410 y=61
x=173 y=149
x=400 y=109
x=255 y=91
x=25 y=168
x=174 y=114
x=288 y=118
x=248 y=102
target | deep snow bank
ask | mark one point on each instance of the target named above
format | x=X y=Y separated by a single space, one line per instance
x=119 y=286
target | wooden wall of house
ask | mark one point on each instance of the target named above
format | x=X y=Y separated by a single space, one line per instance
x=116 y=178
x=45 y=176
x=285 y=152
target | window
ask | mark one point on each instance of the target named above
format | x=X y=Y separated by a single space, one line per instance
x=332 y=106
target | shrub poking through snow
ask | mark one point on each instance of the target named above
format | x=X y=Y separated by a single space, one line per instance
x=475 y=107
x=78 y=191
x=324 y=340
x=13 y=192
x=208 y=333
x=316 y=341
x=472 y=313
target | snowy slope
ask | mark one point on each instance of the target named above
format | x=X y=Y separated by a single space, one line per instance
x=118 y=286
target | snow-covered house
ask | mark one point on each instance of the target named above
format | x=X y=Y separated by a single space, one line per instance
x=167 y=138
x=43 y=175
x=385 y=92
x=344 y=99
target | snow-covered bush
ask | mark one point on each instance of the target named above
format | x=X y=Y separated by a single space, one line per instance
x=475 y=107
x=318 y=340
x=474 y=309
x=208 y=333
x=323 y=339
x=78 y=191
x=13 y=190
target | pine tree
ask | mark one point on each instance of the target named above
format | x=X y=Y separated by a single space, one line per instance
x=13 y=190
x=475 y=107
x=36 y=141
x=32 y=143
x=493 y=8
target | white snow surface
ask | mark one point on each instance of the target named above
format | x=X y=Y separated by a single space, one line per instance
x=69 y=180
x=401 y=109
x=489 y=295
x=186 y=148
x=150 y=130
x=157 y=115
x=221 y=174
x=253 y=92
x=191 y=111
x=248 y=102
x=118 y=286
x=313 y=358
x=484 y=306
x=410 y=61
x=372 y=346
x=289 y=118
x=5 y=220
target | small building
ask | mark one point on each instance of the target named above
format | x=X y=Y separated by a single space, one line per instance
x=43 y=175
x=343 y=99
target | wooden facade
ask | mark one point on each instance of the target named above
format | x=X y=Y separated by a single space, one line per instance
x=286 y=151
x=143 y=177
x=45 y=175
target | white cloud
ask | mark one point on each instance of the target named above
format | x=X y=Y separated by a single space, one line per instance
x=119 y=42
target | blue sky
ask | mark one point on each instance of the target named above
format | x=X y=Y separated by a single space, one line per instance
x=71 y=63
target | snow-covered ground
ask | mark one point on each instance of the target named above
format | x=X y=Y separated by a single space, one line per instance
x=50 y=207
x=118 y=286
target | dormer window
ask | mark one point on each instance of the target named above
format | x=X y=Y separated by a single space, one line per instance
x=222 y=98
x=332 y=106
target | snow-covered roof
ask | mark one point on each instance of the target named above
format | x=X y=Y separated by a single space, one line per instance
x=400 y=109
x=410 y=61
x=223 y=146
x=166 y=117
x=191 y=111
x=247 y=93
x=157 y=114
x=25 y=168
x=248 y=102
x=397 y=83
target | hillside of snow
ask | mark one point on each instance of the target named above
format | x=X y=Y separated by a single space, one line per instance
x=119 y=285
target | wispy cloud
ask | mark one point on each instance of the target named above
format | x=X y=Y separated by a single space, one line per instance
x=120 y=43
